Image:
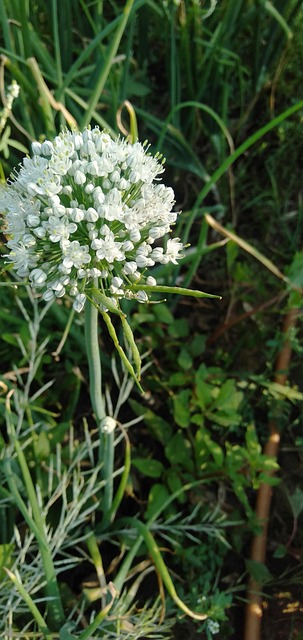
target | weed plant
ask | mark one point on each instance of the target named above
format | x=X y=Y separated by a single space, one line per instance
x=216 y=88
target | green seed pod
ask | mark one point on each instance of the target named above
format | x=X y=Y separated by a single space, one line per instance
x=134 y=349
x=106 y=302
x=124 y=358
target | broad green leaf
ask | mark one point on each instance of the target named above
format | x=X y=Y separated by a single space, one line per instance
x=65 y=631
x=10 y=338
x=182 y=408
x=42 y=446
x=179 y=451
x=281 y=551
x=265 y=478
x=204 y=393
x=198 y=419
x=159 y=428
x=175 y=485
x=179 y=328
x=149 y=467
x=277 y=390
x=197 y=345
x=258 y=571
x=295 y=500
x=228 y=396
x=206 y=447
x=204 y=390
x=295 y=269
x=157 y=496
x=185 y=360
x=177 y=379
x=163 y=314
x=224 y=418
x=251 y=438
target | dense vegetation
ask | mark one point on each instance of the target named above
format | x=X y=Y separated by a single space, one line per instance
x=217 y=89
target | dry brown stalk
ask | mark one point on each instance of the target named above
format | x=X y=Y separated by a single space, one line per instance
x=253 y=616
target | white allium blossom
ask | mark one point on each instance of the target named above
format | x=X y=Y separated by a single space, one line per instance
x=87 y=208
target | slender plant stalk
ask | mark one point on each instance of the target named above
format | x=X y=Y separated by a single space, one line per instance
x=93 y=626
x=56 y=38
x=106 y=452
x=203 y=107
x=247 y=247
x=66 y=331
x=253 y=618
x=161 y=567
x=46 y=108
x=123 y=481
x=94 y=361
x=96 y=557
x=127 y=562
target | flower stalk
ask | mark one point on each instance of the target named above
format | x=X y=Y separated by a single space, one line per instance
x=94 y=361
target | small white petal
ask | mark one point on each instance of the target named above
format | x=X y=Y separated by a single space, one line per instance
x=79 y=303
x=79 y=177
x=142 y=296
x=141 y=261
x=135 y=235
x=91 y=215
x=48 y=295
x=37 y=276
x=36 y=148
x=130 y=268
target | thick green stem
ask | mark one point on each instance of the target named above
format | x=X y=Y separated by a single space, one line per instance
x=106 y=452
x=123 y=481
x=107 y=442
x=94 y=361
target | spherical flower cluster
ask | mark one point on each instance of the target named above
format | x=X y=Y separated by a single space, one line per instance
x=87 y=209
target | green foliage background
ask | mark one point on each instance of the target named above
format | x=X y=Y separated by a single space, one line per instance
x=200 y=81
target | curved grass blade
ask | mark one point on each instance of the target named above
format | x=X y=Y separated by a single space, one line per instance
x=249 y=142
x=161 y=567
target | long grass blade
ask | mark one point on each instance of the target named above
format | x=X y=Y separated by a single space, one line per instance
x=249 y=142
x=106 y=67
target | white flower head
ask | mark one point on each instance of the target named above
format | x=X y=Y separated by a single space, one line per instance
x=85 y=210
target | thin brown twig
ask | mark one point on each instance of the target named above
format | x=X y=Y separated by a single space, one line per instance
x=225 y=326
x=253 y=615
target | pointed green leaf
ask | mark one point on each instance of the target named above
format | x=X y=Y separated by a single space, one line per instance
x=148 y=467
